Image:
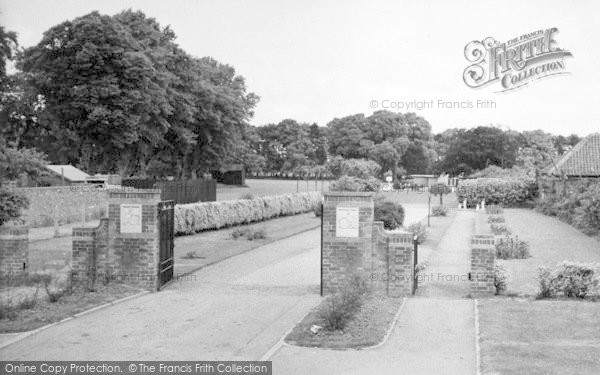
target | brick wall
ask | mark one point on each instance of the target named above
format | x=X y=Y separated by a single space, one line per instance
x=483 y=255
x=128 y=257
x=383 y=258
x=14 y=249
x=64 y=202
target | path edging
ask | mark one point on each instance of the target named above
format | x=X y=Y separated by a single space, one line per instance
x=281 y=343
x=477 y=335
x=22 y=335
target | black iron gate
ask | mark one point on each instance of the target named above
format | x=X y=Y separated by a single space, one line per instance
x=166 y=221
x=415 y=264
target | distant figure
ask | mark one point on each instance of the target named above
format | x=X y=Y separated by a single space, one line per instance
x=464 y=204
x=483 y=204
x=477 y=208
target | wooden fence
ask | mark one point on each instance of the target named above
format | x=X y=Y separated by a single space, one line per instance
x=183 y=191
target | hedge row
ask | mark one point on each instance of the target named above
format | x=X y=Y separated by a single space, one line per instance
x=508 y=192
x=196 y=217
x=578 y=206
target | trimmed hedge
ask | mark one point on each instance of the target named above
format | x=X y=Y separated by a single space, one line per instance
x=197 y=217
x=579 y=206
x=507 y=192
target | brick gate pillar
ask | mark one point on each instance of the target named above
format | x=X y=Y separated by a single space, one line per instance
x=133 y=236
x=14 y=250
x=347 y=236
x=125 y=246
x=483 y=257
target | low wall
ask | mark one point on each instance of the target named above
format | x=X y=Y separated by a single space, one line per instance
x=14 y=250
x=355 y=245
x=66 y=203
x=483 y=257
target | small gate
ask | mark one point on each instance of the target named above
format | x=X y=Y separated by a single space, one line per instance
x=166 y=221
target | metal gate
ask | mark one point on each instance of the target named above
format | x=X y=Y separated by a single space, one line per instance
x=415 y=264
x=166 y=221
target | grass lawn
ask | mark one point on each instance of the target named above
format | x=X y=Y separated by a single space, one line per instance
x=196 y=251
x=44 y=312
x=551 y=241
x=367 y=328
x=524 y=336
x=262 y=187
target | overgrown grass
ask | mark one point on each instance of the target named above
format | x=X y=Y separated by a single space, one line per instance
x=250 y=234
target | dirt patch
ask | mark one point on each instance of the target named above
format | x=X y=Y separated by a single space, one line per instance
x=43 y=312
x=367 y=328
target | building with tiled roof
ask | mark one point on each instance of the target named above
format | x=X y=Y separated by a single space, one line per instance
x=582 y=161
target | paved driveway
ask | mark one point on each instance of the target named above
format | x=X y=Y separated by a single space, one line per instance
x=234 y=310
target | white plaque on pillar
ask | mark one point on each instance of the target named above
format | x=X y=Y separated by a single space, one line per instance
x=131 y=218
x=346 y=222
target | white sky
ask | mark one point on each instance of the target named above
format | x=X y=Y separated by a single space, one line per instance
x=316 y=60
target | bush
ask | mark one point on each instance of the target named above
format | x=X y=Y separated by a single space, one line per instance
x=494 y=209
x=508 y=192
x=578 y=206
x=349 y=183
x=496 y=219
x=318 y=209
x=420 y=230
x=499 y=229
x=569 y=279
x=439 y=211
x=391 y=213
x=250 y=234
x=11 y=205
x=512 y=248
x=342 y=306
x=247 y=196
x=500 y=279
x=197 y=217
x=361 y=168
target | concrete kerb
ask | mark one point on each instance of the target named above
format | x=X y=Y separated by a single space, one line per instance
x=281 y=343
x=477 y=336
x=21 y=335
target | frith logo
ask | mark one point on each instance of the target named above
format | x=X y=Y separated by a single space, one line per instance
x=515 y=63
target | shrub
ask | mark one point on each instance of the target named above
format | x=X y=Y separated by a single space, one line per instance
x=350 y=183
x=420 y=230
x=391 y=213
x=569 y=279
x=508 y=192
x=579 y=205
x=342 y=306
x=250 y=234
x=512 y=248
x=499 y=229
x=496 y=219
x=500 y=279
x=439 y=211
x=247 y=196
x=318 y=209
x=11 y=205
x=360 y=168
x=494 y=209
x=191 y=255
x=197 y=217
